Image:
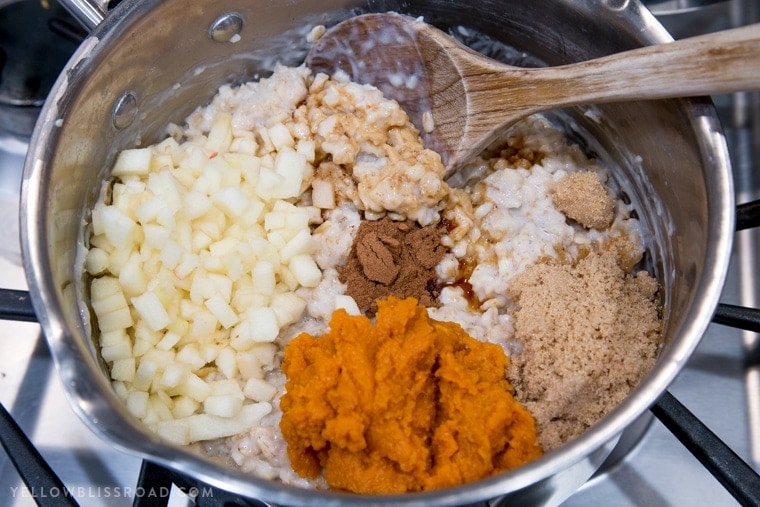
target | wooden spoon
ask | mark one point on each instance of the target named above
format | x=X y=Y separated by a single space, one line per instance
x=462 y=101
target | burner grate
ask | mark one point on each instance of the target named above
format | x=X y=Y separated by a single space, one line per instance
x=739 y=479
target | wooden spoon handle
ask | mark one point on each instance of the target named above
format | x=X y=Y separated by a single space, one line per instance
x=721 y=62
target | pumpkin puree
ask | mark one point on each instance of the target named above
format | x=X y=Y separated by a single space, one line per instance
x=408 y=404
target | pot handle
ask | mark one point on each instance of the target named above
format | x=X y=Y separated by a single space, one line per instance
x=89 y=13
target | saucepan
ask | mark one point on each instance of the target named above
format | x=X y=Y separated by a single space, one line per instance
x=151 y=62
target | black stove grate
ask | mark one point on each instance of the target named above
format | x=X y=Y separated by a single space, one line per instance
x=739 y=479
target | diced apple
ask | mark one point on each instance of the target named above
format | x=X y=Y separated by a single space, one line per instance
x=116 y=337
x=220 y=135
x=209 y=427
x=171 y=254
x=146 y=371
x=281 y=137
x=123 y=369
x=176 y=431
x=147 y=212
x=133 y=162
x=96 y=261
x=249 y=365
x=288 y=307
x=132 y=277
x=118 y=227
x=323 y=194
x=222 y=311
x=226 y=361
x=168 y=341
x=137 y=403
x=184 y=406
x=348 y=304
x=305 y=269
x=259 y=390
x=194 y=387
x=223 y=405
x=173 y=375
x=116 y=352
x=231 y=201
x=152 y=311
x=157 y=405
x=291 y=166
x=307 y=148
x=301 y=243
x=264 y=280
x=191 y=355
x=117 y=319
x=264 y=327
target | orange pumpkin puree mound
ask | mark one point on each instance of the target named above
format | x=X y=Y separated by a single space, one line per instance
x=407 y=404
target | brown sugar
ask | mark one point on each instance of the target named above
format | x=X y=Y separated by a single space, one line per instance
x=590 y=332
x=408 y=404
x=582 y=197
x=393 y=258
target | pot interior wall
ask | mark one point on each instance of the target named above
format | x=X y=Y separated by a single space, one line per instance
x=162 y=54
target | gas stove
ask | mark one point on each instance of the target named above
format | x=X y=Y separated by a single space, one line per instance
x=719 y=387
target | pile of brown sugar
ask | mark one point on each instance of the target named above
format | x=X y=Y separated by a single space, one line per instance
x=590 y=332
x=393 y=259
x=406 y=404
x=582 y=197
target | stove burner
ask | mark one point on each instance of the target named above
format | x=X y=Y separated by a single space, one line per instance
x=37 y=37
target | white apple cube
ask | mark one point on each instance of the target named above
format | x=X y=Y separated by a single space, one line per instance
x=305 y=270
x=146 y=372
x=176 y=431
x=148 y=211
x=152 y=311
x=123 y=369
x=194 y=387
x=264 y=279
x=116 y=352
x=184 y=406
x=347 y=303
x=190 y=354
x=288 y=307
x=291 y=166
x=96 y=261
x=223 y=405
x=220 y=135
x=209 y=427
x=226 y=361
x=264 y=327
x=173 y=375
x=231 y=201
x=117 y=319
x=259 y=390
x=137 y=403
x=168 y=341
x=307 y=148
x=300 y=243
x=116 y=337
x=281 y=137
x=249 y=365
x=222 y=311
x=133 y=162
x=120 y=229
x=132 y=277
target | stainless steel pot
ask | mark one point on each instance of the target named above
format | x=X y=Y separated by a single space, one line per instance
x=152 y=61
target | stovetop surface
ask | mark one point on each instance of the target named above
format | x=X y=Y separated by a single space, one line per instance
x=717 y=385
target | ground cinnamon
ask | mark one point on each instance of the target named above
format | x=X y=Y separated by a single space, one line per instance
x=393 y=259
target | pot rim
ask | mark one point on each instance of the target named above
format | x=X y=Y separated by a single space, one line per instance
x=86 y=392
